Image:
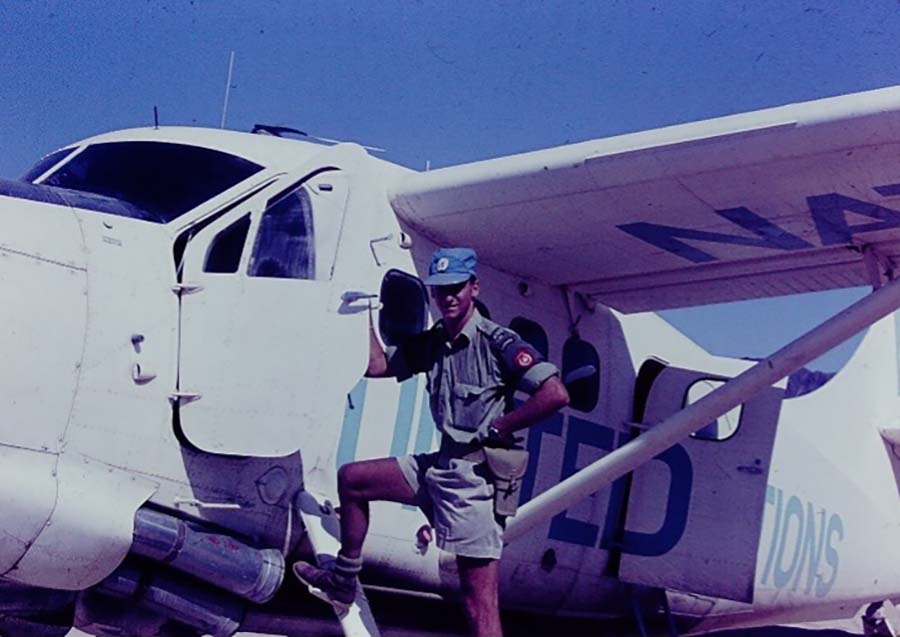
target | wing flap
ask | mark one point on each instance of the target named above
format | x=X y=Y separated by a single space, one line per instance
x=774 y=202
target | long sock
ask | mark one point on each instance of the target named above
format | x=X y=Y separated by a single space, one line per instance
x=347 y=567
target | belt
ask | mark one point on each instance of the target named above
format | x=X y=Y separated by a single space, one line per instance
x=470 y=452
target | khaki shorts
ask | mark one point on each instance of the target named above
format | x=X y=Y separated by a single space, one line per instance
x=458 y=500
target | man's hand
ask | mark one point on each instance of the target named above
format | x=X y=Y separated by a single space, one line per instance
x=550 y=397
x=493 y=437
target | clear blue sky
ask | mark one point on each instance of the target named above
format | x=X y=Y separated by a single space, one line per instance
x=444 y=82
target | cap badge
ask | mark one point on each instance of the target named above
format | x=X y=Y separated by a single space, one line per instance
x=442 y=264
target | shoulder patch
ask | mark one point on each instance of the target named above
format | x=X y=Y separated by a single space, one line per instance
x=523 y=358
x=517 y=354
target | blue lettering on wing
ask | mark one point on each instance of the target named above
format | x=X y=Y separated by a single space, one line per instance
x=828 y=213
x=581 y=432
x=803 y=546
x=563 y=528
x=811 y=549
x=794 y=512
x=768 y=235
x=773 y=498
x=552 y=425
x=834 y=533
x=677 y=505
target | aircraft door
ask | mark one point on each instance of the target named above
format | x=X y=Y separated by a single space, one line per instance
x=270 y=343
x=404 y=307
x=695 y=512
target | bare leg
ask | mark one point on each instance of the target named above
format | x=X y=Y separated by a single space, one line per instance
x=478 y=580
x=360 y=483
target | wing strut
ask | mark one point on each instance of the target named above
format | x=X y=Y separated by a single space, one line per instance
x=680 y=425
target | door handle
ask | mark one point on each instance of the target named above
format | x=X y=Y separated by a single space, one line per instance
x=139 y=376
x=353 y=296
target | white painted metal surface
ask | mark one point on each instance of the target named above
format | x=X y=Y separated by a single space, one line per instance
x=725 y=482
x=791 y=357
x=27 y=497
x=251 y=346
x=831 y=509
x=89 y=532
x=574 y=208
x=829 y=456
x=43 y=313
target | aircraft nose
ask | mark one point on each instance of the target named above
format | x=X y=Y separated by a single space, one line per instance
x=43 y=318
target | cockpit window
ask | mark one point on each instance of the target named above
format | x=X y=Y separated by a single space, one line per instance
x=164 y=179
x=224 y=254
x=285 y=248
x=46 y=164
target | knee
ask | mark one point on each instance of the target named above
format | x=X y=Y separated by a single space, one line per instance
x=349 y=480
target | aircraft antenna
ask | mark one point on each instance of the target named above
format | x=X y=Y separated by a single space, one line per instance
x=155 y=117
x=227 y=89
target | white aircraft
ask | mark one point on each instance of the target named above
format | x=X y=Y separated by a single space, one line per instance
x=184 y=319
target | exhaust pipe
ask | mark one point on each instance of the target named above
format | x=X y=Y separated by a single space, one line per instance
x=221 y=560
x=211 y=612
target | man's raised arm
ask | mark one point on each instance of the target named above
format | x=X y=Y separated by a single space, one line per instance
x=378 y=362
x=549 y=398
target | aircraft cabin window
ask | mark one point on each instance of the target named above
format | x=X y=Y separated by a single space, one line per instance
x=725 y=426
x=224 y=255
x=163 y=179
x=46 y=164
x=532 y=333
x=284 y=247
x=581 y=373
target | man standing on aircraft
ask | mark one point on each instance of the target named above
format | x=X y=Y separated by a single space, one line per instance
x=474 y=367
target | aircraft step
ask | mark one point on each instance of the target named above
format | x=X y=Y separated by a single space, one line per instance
x=882 y=619
x=323 y=531
x=650 y=607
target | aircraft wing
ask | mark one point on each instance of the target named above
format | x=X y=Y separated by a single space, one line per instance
x=791 y=199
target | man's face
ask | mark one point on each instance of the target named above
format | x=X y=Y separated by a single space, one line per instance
x=454 y=301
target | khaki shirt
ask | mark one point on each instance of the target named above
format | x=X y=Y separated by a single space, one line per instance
x=472 y=379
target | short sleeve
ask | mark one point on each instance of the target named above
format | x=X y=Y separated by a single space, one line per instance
x=521 y=362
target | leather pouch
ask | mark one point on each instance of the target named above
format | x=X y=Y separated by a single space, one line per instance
x=507 y=466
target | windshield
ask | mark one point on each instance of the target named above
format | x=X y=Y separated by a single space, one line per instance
x=46 y=164
x=164 y=179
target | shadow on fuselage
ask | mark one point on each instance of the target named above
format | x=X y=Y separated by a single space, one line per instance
x=405 y=616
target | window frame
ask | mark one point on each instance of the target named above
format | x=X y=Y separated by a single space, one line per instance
x=259 y=225
x=574 y=403
x=543 y=346
x=153 y=212
x=686 y=401
x=387 y=336
x=248 y=218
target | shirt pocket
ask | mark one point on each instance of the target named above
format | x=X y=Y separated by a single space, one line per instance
x=471 y=405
